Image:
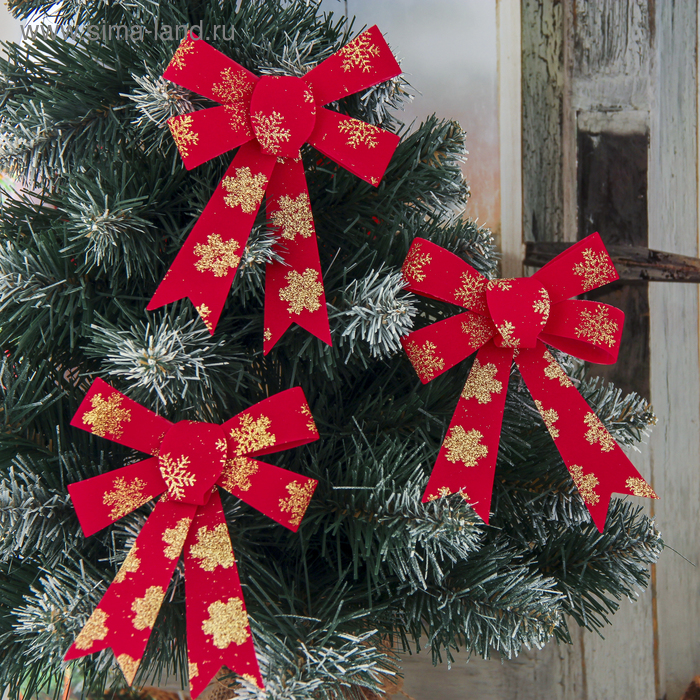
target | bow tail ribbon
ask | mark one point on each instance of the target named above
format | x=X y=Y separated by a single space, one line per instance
x=595 y=461
x=204 y=269
x=466 y=463
x=294 y=291
x=125 y=616
x=218 y=632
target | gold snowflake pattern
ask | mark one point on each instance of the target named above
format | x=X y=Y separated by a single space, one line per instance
x=585 y=484
x=506 y=330
x=125 y=496
x=597 y=433
x=302 y=291
x=310 y=425
x=175 y=474
x=237 y=472
x=217 y=256
x=178 y=59
x=464 y=446
x=175 y=538
x=253 y=434
x=298 y=500
x=269 y=131
x=248 y=678
x=183 y=134
x=146 y=609
x=639 y=487
x=481 y=383
x=204 y=312
x=478 y=329
x=236 y=115
x=192 y=670
x=227 y=623
x=550 y=417
x=597 y=327
x=359 y=53
x=542 y=305
x=234 y=86
x=294 y=217
x=470 y=294
x=107 y=416
x=359 y=133
x=554 y=370
x=267 y=334
x=94 y=630
x=505 y=284
x=412 y=268
x=129 y=666
x=130 y=565
x=213 y=548
x=245 y=190
x=425 y=359
x=596 y=269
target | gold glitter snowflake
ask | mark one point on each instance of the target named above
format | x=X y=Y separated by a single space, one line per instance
x=237 y=472
x=471 y=293
x=93 y=631
x=213 y=548
x=178 y=59
x=245 y=190
x=554 y=370
x=175 y=538
x=217 y=256
x=597 y=433
x=359 y=53
x=505 y=284
x=542 y=305
x=175 y=474
x=506 y=330
x=129 y=666
x=639 y=487
x=204 y=311
x=481 y=382
x=550 y=417
x=192 y=670
x=233 y=87
x=359 y=133
x=412 y=268
x=227 y=623
x=146 y=608
x=253 y=434
x=596 y=326
x=130 y=565
x=310 y=425
x=585 y=484
x=425 y=359
x=183 y=134
x=267 y=335
x=269 y=131
x=464 y=446
x=303 y=291
x=596 y=269
x=236 y=115
x=107 y=416
x=294 y=216
x=298 y=500
x=478 y=329
x=125 y=496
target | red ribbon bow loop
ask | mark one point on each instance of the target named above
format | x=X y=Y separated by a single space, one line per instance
x=189 y=460
x=270 y=118
x=511 y=320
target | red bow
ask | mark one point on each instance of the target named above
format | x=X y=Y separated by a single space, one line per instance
x=189 y=460
x=270 y=118
x=512 y=319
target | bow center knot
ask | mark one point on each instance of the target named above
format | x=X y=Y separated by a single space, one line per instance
x=191 y=459
x=519 y=309
x=283 y=114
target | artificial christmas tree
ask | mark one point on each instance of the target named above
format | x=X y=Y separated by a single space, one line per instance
x=371 y=569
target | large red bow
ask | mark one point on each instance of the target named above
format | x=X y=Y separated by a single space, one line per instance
x=512 y=319
x=189 y=460
x=270 y=118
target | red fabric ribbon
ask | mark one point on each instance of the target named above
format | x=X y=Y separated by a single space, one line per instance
x=189 y=460
x=270 y=118
x=512 y=319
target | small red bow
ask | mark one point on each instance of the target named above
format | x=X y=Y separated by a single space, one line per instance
x=189 y=461
x=512 y=319
x=270 y=118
